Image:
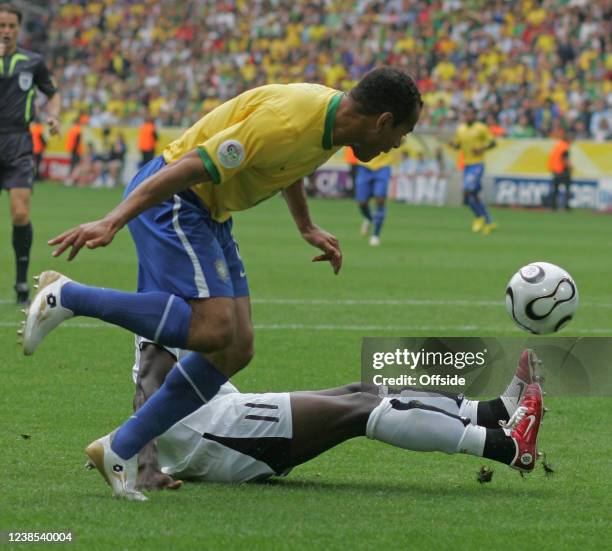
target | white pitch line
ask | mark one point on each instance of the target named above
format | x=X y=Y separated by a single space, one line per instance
x=340 y=327
x=385 y=302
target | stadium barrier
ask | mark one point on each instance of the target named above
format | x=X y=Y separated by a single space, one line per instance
x=516 y=170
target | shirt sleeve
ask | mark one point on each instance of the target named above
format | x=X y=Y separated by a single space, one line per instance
x=44 y=80
x=262 y=138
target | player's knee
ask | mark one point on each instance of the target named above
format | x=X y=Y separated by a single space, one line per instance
x=361 y=403
x=20 y=216
x=245 y=352
x=352 y=388
x=212 y=327
x=220 y=334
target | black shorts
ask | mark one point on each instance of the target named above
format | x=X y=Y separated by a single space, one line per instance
x=16 y=161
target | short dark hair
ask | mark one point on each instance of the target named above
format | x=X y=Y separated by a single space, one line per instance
x=10 y=8
x=387 y=90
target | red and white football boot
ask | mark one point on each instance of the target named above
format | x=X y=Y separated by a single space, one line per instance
x=523 y=428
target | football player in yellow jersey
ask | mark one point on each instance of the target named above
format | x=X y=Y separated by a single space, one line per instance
x=193 y=292
x=473 y=139
x=372 y=180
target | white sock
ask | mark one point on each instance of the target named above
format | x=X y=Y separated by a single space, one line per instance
x=513 y=394
x=469 y=409
x=403 y=423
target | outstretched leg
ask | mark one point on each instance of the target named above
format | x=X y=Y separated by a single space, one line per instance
x=321 y=422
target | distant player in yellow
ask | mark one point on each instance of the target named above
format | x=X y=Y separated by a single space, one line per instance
x=193 y=292
x=473 y=139
x=372 y=180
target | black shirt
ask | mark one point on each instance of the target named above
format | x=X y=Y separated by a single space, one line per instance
x=19 y=73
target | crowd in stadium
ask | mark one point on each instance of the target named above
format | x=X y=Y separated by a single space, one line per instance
x=531 y=67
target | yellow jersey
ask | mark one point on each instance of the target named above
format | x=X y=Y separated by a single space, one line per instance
x=259 y=143
x=470 y=137
x=380 y=161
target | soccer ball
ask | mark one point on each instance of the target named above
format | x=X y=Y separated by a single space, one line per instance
x=541 y=297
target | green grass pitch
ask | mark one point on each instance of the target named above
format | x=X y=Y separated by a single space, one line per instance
x=308 y=329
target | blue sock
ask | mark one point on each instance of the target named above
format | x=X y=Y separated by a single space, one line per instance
x=484 y=212
x=161 y=317
x=191 y=382
x=379 y=218
x=473 y=202
x=365 y=211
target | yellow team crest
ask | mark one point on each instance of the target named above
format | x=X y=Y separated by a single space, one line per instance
x=222 y=270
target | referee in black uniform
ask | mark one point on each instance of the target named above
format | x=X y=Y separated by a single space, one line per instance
x=20 y=72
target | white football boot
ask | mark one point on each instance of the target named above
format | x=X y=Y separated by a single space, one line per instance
x=45 y=312
x=374 y=241
x=365 y=227
x=120 y=474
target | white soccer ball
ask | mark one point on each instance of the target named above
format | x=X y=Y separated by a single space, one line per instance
x=541 y=298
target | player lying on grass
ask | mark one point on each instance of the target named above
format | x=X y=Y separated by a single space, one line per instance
x=242 y=437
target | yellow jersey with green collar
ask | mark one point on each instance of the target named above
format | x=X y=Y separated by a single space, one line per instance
x=259 y=143
x=380 y=161
x=470 y=137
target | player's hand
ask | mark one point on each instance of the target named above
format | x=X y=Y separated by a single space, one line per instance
x=53 y=123
x=328 y=243
x=91 y=235
x=151 y=479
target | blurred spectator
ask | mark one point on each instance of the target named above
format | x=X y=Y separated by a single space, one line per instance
x=89 y=169
x=116 y=160
x=496 y=129
x=38 y=145
x=546 y=59
x=74 y=146
x=147 y=140
x=522 y=129
x=603 y=131
x=560 y=166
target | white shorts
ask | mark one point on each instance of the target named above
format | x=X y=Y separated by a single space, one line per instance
x=234 y=438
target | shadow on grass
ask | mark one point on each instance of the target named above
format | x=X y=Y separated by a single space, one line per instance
x=464 y=488
x=403 y=488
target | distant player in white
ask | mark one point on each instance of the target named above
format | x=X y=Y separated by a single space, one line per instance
x=242 y=437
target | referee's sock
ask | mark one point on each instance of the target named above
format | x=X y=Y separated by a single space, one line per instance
x=160 y=317
x=191 y=383
x=22 y=243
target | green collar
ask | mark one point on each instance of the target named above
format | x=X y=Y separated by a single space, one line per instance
x=330 y=119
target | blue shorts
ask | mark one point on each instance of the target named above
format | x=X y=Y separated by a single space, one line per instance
x=182 y=250
x=472 y=177
x=371 y=183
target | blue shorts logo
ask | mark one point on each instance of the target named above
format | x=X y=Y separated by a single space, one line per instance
x=222 y=270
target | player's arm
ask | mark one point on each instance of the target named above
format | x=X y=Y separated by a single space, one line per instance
x=155 y=363
x=489 y=140
x=53 y=111
x=295 y=195
x=45 y=83
x=173 y=178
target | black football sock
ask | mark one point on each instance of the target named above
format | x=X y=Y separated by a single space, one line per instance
x=499 y=446
x=22 y=243
x=490 y=412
